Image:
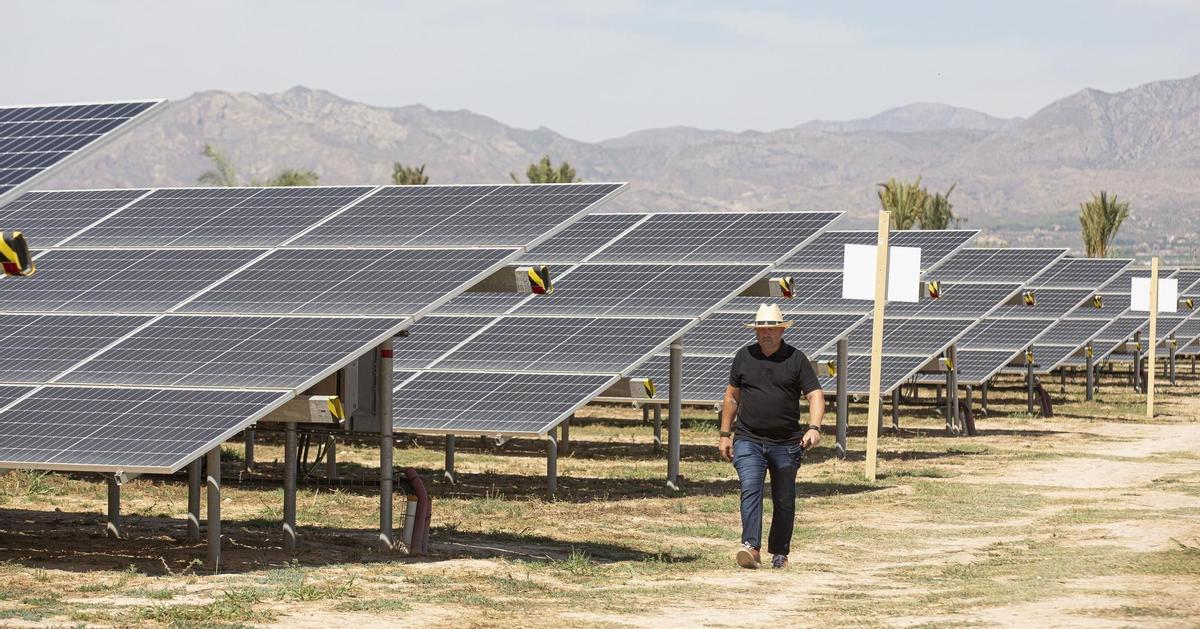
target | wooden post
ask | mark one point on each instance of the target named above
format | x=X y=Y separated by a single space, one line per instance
x=873 y=401
x=1152 y=342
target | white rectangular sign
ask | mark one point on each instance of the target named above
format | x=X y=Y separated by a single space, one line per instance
x=904 y=273
x=1168 y=295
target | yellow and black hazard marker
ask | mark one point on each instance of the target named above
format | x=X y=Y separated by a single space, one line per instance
x=831 y=365
x=536 y=278
x=784 y=286
x=1173 y=342
x=1028 y=357
x=949 y=363
x=14 y=255
x=335 y=408
x=648 y=386
x=935 y=290
x=1189 y=303
x=1029 y=298
x=1138 y=346
x=1097 y=301
x=1090 y=353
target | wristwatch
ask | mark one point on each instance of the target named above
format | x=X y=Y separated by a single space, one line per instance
x=725 y=433
x=814 y=427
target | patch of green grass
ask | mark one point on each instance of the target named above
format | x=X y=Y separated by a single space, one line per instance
x=373 y=605
x=967 y=502
x=233 y=607
x=295 y=584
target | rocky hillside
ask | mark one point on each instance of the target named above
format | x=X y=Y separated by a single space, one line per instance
x=1021 y=179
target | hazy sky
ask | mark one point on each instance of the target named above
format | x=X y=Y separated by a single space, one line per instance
x=603 y=68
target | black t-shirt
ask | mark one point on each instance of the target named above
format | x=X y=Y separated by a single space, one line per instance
x=769 y=410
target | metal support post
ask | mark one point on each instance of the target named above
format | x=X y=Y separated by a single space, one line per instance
x=248 y=438
x=657 y=427
x=1171 y=359
x=289 y=486
x=675 y=411
x=843 y=395
x=448 y=469
x=551 y=464
x=1028 y=386
x=1137 y=361
x=564 y=442
x=331 y=457
x=383 y=386
x=193 y=516
x=896 y=409
x=970 y=398
x=983 y=397
x=952 y=391
x=213 y=482
x=645 y=414
x=113 y=528
x=1089 y=393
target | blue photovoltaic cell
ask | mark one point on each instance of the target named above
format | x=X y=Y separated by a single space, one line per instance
x=45 y=218
x=581 y=238
x=34 y=139
x=40 y=347
x=118 y=281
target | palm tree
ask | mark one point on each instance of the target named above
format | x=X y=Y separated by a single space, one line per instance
x=224 y=174
x=545 y=172
x=938 y=212
x=294 y=177
x=906 y=202
x=409 y=175
x=1100 y=219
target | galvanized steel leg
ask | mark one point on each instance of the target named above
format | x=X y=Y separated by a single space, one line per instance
x=645 y=414
x=113 y=528
x=674 y=414
x=843 y=395
x=289 y=486
x=551 y=464
x=896 y=410
x=565 y=441
x=248 y=459
x=1089 y=391
x=331 y=457
x=193 y=516
x=213 y=481
x=387 y=539
x=1029 y=387
x=952 y=390
x=657 y=427
x=1171 y=360
x=983 y=397
x=1137 y=362
x=448 y=468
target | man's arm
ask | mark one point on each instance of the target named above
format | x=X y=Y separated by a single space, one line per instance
x=729 y=406
x=816 y=413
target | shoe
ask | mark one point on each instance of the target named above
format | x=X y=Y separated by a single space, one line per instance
x=779 y=561
x=748 y=557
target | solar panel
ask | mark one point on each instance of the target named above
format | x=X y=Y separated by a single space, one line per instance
x=8 y=393
x=46 y=218
x=1122 y=328
x=1120 y=282
x=218 y=217
x=976 y=366
x=957 y=300
x=582 y=238
x=130 y=430
x=34 y=139
x=431 y=337
x=737 y=237
x=481 y=303
x=118 y=281
x=895 y=371
x=491 y=403
x=1049 y=303
x=642 y=290
x=1188 y=331
x=564 y=344
x=444 y=216
x=1046 y=358
x=996 y=265
x=815 y=292
x=826 y=251
x=1072 y=332
x=724 y=333
x=1189 y=280
x=1008 y=334
x=242 y=352
x=1088 y=273
x=1111 y=306
x=703 y=379
x=357 y=281
x=38 y=348
x=923 y=337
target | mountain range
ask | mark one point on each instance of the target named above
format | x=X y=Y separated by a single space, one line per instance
x=1019 y=180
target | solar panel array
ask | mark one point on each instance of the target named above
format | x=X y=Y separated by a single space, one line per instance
x=1120 y=323
x=36 y=139
x=186 y=314
x=646 y=280
x=822 y=317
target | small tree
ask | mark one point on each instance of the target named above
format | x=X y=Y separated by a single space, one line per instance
x=1100 y=219
x=409 y=175
x=938 y=212
x=544 y=172
x=906 y=202
x=223 y=173
x=294 y=177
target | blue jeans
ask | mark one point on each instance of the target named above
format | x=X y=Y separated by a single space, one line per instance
x=753 y=460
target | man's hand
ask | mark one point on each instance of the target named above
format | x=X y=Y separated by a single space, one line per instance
x=725 y=447
x=811 y=439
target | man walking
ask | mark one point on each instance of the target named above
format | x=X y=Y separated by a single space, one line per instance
x=766 y=383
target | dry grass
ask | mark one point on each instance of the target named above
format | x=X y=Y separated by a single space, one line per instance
x=956 y=531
